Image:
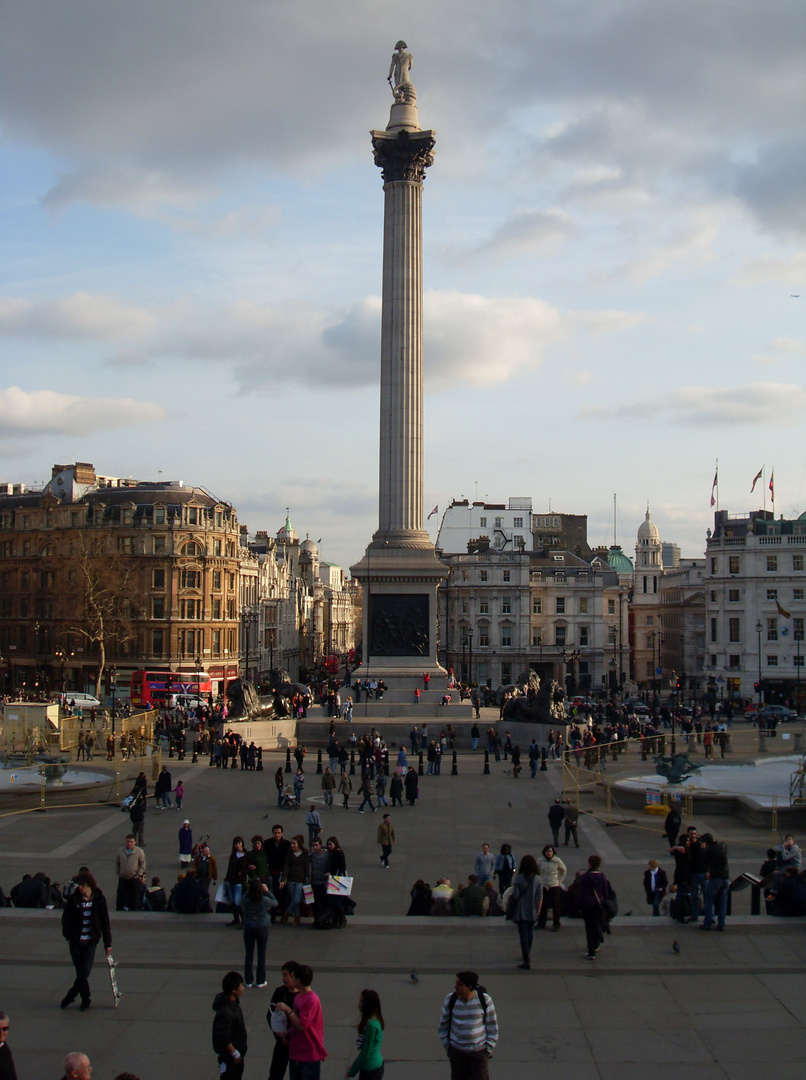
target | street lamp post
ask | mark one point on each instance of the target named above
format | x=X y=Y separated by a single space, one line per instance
x=759 y=628
x=113 y=686
x=470 y=661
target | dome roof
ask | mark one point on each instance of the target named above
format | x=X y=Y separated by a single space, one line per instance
x=308 y=545
x=620 y=562
x=648 y=530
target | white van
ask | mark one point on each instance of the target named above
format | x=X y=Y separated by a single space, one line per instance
x=82 y=701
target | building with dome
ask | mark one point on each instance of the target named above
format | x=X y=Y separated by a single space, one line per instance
x=754 y=597
x=646 y=635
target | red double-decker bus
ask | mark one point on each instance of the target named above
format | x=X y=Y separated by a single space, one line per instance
x=153 y=689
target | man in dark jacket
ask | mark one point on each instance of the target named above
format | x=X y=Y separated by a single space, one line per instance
x=717 y=883
x=7 y=1070
x=85 y=920
x=229 y=1029
x=556 y=818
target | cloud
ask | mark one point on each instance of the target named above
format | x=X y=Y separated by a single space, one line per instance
x=46 y=412
x=698 y=406
x=781 y=350
x=80 y=317
x=791 y=271
x=531 y=232
x=142 y=191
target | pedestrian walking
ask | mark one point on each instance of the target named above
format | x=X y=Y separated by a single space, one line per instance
x=571 y=820
x=656 y=884
x=386 y=839
x=328 y=787
x=368 y=1065
x=306 y=1032
x=594 y=890
x=556 y=817
x=85 y=921
x=366 y=791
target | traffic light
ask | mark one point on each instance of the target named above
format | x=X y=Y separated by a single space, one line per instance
x=678 y=684
x=755 y=687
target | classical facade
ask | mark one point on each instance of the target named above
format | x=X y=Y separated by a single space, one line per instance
x=754 y=583
x=682 y=614
x=101 y=575
x=646 y=632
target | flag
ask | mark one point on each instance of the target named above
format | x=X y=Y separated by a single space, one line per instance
x=434 y=511
x=781 y=612
x=756 y=479
x=714 y=487
x=772 y=485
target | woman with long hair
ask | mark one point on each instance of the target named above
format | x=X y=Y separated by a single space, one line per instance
x=527 y=894
x=236 y=878
x=256 y=903
x=505 y=867
x=369 y=1063
x=296 y=873
x=552 y=875
x=337 y=868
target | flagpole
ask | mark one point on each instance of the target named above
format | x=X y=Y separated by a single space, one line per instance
x=717 y=485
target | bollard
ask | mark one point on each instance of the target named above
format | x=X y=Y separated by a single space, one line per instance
x=181 y=750
x=319 y=769
x=195 y=757
x=170 y=747
x=614 y=752
x=454 y=766
x=420 y=764
x=352 y=763
x=259 y=766
x=486 y=763
x=643 y=750
x=544 y=760
x=762 y=741
x=287 y=759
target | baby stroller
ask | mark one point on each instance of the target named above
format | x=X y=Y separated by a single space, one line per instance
x=289 y=799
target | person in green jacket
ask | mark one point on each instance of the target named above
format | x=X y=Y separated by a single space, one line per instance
x=369 y=1063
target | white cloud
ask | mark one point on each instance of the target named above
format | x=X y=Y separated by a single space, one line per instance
x=781 y=350
x=531 y=232
x=80 y=317
x=699 y=406
x=46 y=412
x=691 y=245
x=791 y=271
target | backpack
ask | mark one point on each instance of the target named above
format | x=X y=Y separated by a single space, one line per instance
x=512 y=904
x=483 y=1001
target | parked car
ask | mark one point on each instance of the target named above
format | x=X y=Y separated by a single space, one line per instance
x=82 y=701
x=778 y=713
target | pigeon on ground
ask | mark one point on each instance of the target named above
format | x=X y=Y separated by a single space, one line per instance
x=627 y=914
x=414 y=977
x=675 y=947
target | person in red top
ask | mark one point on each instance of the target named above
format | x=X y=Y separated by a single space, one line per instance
x=306 y=1030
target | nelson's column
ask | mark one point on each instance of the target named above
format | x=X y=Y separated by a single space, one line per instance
x=400 y=570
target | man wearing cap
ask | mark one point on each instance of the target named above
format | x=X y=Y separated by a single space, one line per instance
x=130 y=867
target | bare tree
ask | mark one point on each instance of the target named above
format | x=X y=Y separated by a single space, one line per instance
x=102 y=594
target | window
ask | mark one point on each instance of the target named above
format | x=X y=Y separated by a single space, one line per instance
x=217 y=548
x=714 y=635
x=583 y=635
x=611 y=607
x=506 y=637
x=650 y=671
x=5 y=607
x=517 y=523
x=734 y=629
x=484 y=638
x=192 y=515
x=158 y=608
x=537 y=640
x=25 y=580
x=157 y=639
x=713 y=566
x=190 y=609
x=506 y=607
x=190 y=642
x=159 y=545
x=483 y=523
x=772 y=564
x=216 y=608
x=191 y=579
x=734 y=662
x=158 y=579
x=559 y=605
x=797 y=563
x=650 y=620
x=734 y=596
x=507 y=575
x=498 y=522
x=484 y=607
x=482 y=575
x=583 y=605
x=772 y=594
x=559 y=635
x=506 y=673
x=464 y=606
x=713 y=596
x=216 y=579
x=159 y=515
x=797 y=594
x=733 y=564
x=47 y=579
x=537 y=606
x=191 y=549
x=772 y=661
x=126 y=545
x=798 y=660
x=216 y=643
x=772 y=629
x=798 y=629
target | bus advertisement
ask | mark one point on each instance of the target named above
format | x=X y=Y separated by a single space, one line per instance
x=155 y=689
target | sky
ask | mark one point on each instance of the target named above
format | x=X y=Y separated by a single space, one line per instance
x=614 y=259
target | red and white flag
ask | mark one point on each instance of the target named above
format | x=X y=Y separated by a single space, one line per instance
x=756 y=479
x=434 y=511
x=772 y=485
x=714 y=487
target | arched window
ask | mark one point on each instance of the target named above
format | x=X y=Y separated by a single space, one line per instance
x=191 y=549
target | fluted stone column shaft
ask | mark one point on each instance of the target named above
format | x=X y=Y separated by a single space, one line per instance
x=400 y=500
